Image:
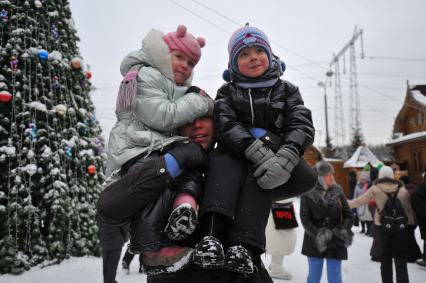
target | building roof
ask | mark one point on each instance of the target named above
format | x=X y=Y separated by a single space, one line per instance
x=418 y=136
x=361 y=157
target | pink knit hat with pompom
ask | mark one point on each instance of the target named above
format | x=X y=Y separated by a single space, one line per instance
x=185 y=42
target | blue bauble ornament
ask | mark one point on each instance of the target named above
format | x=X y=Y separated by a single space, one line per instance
x=43 y=54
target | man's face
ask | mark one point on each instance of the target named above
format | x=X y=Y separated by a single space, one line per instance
x=182 y=66
x=200 y=131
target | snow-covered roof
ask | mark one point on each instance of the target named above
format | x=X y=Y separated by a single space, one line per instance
x=419 y=97
x=408 y=138
x=361 y=157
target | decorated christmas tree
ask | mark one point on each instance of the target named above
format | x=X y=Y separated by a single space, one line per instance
x=51 y=150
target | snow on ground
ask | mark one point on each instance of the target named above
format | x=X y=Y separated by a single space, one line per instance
x=359 y=267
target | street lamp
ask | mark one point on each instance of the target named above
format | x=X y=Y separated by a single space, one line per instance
x=324 y=86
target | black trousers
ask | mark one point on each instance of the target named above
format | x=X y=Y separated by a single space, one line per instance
x=400 y=269
x=232 y=191
x=393 y=246
x=112 y=238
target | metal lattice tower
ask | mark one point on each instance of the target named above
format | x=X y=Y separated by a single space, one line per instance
x=339 y=120
x=354 y=100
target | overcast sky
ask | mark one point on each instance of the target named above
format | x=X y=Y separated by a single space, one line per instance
x=304 y=34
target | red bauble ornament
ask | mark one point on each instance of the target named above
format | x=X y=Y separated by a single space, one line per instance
x=88 y=75
x=91 y=169
x=5 y=96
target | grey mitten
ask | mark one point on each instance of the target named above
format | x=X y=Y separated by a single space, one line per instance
x=344 y=236
x=323 y=237
x=258 y=153
x=276 y=171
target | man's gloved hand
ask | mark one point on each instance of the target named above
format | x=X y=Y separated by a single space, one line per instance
x=258 y=153
x=190 y=155
x=276 y=171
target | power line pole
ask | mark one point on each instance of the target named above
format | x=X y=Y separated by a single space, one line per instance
x=354 y=100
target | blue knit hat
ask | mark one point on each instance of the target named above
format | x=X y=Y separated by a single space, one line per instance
x=247 y=36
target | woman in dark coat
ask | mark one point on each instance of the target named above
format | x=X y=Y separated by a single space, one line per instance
x=418 y=202
x=327 y=220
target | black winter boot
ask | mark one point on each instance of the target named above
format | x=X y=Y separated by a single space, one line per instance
x=182 y=222
x=238 y=259
x=209 y=251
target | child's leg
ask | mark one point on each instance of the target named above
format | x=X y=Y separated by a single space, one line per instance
x=184 y=217
x=223 y=184
x=247 y=234
x=302 y=180
x=218 y=207
x=252 y=215
x=143 y=183
x=146 y=228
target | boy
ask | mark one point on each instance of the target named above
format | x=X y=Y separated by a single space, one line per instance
x=246 y=169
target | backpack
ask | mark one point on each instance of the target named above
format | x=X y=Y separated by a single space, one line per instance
x=392 y=216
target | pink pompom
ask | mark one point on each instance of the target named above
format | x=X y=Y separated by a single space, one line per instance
x=201 y=41
x=181 y=31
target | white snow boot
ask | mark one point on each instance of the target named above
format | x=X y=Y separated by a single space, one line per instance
x=276 y=270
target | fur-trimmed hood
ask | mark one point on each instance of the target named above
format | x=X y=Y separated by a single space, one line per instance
x=387 y=180
x=325 y=197
x=155 y=53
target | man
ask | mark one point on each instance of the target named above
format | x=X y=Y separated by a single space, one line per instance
x=202 y=131
x=141 y=183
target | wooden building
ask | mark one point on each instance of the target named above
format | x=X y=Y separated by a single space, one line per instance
x=409 y=130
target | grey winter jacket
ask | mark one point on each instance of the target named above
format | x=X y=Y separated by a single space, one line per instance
x=161 y=105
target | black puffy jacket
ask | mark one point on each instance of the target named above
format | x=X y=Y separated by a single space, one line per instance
x=279 y=109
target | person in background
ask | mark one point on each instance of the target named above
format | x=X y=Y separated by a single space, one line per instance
x=352 y=183
x=414 y=252
x=127 y=259
x=281 y=239
x=418 y=201
x=327 y=219
x=393 y=242
x=363 y=212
